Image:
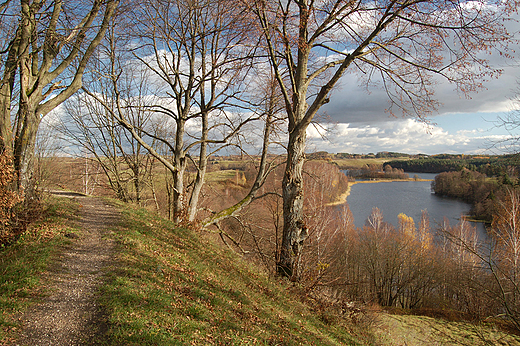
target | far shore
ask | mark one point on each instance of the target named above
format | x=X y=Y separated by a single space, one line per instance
x=343 y=197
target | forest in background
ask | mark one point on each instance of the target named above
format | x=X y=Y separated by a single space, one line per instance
x=490 y=165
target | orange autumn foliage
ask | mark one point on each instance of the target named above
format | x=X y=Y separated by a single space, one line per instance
x=8 y=195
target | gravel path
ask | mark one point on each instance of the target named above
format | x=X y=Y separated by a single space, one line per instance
x=70 y=315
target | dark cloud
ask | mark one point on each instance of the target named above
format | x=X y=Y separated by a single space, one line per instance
x=353 y=104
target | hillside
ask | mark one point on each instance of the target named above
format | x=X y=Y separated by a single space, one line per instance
x=173 y=286
x=185 y=290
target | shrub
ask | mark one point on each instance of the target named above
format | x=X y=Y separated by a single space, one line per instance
x=8 y=197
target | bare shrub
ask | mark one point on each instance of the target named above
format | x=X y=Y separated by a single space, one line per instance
x=8 y=197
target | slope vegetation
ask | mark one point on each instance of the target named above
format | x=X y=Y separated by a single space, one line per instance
x=170 y=286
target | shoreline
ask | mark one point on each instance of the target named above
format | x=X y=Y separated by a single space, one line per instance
x=342 y=199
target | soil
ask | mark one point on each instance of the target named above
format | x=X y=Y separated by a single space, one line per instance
x=70 y=314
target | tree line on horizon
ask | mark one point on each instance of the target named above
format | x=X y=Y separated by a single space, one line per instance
x=494 y=165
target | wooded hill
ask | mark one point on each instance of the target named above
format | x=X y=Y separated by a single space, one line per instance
x=489 y=165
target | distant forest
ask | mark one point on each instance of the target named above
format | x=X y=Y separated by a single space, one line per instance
x=488 y=165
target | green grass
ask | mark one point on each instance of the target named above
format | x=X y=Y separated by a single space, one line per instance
x=221 y=176
x=22 y=263
x=171 y=287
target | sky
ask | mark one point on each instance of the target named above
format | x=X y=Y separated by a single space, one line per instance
x=357 y=121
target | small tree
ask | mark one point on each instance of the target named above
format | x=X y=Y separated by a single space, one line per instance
x=91 y=119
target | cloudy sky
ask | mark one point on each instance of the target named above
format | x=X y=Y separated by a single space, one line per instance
x=359 y=123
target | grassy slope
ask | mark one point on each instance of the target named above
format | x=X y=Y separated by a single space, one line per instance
x=171 y=287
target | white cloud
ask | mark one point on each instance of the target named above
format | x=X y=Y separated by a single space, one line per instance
x=408 y=136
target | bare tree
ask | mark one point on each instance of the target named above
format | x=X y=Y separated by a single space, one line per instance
x=401 y=45
x=198 y=53
x=510 y=121
x=504 y=264
x=88 y=124
x=192 y=49
x=48 y=47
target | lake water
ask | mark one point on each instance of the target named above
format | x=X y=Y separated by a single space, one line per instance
x=408 y=197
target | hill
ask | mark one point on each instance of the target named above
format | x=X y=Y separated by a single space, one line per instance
x=175 y=286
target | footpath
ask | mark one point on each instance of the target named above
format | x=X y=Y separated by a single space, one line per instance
x=70 y=314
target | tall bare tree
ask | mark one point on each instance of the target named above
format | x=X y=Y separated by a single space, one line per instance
x=404 y=46
x=48 y=49
x=90 y=122
x=199 y=53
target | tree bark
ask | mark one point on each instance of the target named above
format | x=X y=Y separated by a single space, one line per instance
x=24 y=149
x=201 y=169
x=178 y=175
x=294 y=229
x=6 y=94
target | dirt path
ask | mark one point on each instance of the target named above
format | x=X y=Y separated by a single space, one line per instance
x=70 y=315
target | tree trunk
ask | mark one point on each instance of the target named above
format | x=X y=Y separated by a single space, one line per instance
x=6 y=94
x=178 y=174
x=137 y=182
x=201 y=170
x=294 y=229
x=6 y=137
x=24 y=146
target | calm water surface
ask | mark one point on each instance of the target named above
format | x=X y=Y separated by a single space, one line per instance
x=408 y=197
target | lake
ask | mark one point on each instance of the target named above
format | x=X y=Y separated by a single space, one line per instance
x=408 y=197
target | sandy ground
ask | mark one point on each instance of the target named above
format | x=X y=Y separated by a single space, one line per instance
x=70 y=314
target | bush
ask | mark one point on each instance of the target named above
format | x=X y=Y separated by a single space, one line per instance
x=8 y=198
